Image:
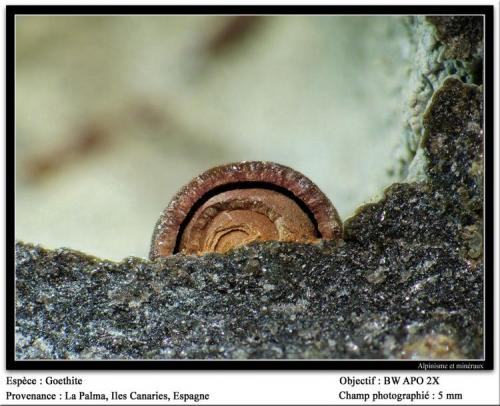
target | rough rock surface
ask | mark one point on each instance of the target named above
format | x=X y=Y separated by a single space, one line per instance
x=462 y=36
x=406 y=281
x=441 y=46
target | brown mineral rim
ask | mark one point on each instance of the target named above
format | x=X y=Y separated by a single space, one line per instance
x=232 y=205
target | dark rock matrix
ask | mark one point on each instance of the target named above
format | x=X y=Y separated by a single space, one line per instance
x=405 y=282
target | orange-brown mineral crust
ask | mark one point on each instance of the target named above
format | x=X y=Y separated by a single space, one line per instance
x=232 y=205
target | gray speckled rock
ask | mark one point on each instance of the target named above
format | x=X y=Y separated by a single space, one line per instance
x=461 y=35
x=406 y=281
x=440 y=46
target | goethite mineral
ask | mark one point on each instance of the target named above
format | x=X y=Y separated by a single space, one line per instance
x=406 y=280
x=232 y=205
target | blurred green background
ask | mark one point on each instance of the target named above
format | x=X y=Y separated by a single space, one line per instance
x=115 y=113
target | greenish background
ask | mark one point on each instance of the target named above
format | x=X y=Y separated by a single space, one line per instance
x=115 y=113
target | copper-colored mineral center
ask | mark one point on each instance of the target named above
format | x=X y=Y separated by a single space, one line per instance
x=236 y=217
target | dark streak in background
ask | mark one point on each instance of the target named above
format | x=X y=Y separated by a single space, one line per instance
x=233 y=32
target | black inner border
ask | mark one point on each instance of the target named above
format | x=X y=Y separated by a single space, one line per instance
x=16 y=10
x=242 y=185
